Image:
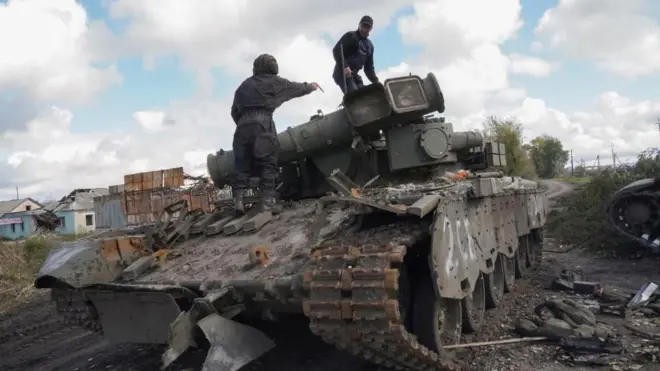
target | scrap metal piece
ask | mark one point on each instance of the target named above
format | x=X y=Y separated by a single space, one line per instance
x=643 y=295
x=218 y=227
x=342 y=183
x=233 y=345
x=141 y=317
x=180 y=339
x=424 y=205
x=138 y=267
x=182 y=329
x=257 y=221
x=236 y=224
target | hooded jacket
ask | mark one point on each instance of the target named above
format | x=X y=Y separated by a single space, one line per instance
x=261 y=94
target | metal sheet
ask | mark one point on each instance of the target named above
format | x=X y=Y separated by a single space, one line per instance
x=135 y=317
x=108 y=212
x=233 y=345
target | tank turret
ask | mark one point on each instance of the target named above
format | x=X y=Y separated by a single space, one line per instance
x=381 y=130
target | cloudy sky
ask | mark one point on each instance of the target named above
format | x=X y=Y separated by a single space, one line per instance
x=95 y=89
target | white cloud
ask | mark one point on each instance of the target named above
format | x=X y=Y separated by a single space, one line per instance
x=44 y=54
x=459 y=45
x=621 y=36
x=612 y=119
x=534 y=66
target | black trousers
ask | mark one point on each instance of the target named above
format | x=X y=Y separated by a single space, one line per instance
x=256 y=150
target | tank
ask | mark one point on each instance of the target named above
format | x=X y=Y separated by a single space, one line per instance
x=633 y=212
x=397 y=234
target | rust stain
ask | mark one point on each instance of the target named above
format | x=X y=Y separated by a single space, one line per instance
x=161 y=255
x=131 y=248
x=259 y=255
x=110 y=251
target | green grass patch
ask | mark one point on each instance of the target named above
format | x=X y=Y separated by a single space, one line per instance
x=575 y=179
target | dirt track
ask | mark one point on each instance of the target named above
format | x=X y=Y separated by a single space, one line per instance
x=34 y=339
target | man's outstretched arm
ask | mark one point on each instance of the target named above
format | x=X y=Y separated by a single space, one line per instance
x=288 y=90
x=369 y=69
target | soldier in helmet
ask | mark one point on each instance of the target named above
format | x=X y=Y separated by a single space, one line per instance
x=358 y=53
x=255 y=142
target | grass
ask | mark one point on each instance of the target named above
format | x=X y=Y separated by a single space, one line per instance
x=575 y=179
x=19 y=263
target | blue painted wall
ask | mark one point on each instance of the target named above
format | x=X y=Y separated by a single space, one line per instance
x=18 y=230
x=67 y=223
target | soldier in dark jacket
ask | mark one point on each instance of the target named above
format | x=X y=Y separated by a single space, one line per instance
x=255 y=139
x=358 y=53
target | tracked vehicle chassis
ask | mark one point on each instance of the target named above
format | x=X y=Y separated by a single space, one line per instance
x=355 y=299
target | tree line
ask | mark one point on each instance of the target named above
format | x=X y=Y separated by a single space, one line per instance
x=543 y=156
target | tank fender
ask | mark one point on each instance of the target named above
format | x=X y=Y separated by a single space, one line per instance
x=537 y=209
x=232 y=344
x=457 y=254
x=77 y=263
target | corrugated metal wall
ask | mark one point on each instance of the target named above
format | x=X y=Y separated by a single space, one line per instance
x=137 y=208
x=108 y=213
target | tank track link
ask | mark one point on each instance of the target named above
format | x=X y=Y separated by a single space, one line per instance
x=75 y=310
x=353 y=299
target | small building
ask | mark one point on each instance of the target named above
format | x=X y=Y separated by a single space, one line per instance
x=17 y=218
x=76 y=211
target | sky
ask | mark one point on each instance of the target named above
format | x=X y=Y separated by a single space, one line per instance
x=92 y=90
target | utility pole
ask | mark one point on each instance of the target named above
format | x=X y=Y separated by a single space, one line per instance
x=572 y=168
x=613 y=156
x=17 y=193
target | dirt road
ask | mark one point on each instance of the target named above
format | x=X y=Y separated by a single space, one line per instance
x=556 y=188
x=34 y=339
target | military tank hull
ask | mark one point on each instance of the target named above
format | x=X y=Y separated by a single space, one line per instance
x=392 y=267
x=634 y=212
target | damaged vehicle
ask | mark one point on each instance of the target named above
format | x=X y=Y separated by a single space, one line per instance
x=397 y=234
x=634 y=211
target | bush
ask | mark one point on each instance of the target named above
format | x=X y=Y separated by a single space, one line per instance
x=580 y=217
x=19 y=263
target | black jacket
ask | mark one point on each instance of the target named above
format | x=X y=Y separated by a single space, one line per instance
x=358 y=53
x=262 y=94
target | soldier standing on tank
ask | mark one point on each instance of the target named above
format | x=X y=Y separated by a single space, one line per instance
x=358 y=52
x=255 y=142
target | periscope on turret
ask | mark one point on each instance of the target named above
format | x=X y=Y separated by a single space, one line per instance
x=383 y=235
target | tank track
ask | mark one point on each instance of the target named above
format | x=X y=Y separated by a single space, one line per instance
x=353 y=299
x=75 y=310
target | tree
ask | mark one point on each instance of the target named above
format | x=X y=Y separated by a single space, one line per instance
x=548 y=155
x=509 y=132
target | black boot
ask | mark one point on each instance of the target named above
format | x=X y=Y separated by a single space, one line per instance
x=239 y=206
x=269 y=203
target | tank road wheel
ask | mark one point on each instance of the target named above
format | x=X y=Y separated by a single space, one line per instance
x=437 y=321
x=494 y=283
x=521 y=256
x=509 y=265
x=474 y=306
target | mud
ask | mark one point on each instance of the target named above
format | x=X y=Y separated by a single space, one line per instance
x=33 y=337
